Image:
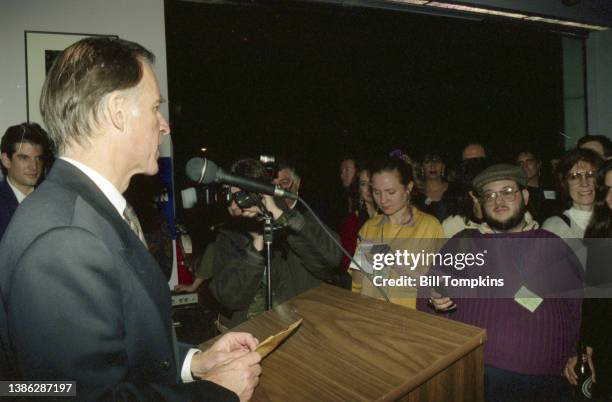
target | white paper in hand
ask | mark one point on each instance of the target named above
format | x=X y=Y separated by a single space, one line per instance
x=363 y=257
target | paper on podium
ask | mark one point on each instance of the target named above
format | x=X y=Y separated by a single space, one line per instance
x=271 y=342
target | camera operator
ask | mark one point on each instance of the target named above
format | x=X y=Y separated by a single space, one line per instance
x=302 y=255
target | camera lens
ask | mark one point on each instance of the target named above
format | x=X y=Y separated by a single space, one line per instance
x=245 y=200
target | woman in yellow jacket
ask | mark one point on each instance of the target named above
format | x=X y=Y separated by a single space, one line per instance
x=401 y=230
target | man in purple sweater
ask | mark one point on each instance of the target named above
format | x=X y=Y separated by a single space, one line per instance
x=524 y=288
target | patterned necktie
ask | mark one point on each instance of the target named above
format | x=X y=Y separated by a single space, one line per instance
x=132 y=220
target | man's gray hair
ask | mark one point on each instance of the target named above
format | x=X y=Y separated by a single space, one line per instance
x=79 y=81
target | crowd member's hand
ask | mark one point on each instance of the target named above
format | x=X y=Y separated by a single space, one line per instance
x=258 y=242
x=240 y=375
x=441 y=303
x=185 y=288
x=589 y=353
x=570 y=370
x=189 y=288
x=271 y=206
x=570 y=367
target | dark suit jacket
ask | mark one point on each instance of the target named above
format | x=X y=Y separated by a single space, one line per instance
x=85 y=301
x=8 y=205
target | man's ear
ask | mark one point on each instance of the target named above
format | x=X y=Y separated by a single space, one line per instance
x=6 y=161
x=525 y=193
x=116 y=111
x=472 y=196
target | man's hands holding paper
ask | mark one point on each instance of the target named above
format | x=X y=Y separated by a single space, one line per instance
x=230 y=362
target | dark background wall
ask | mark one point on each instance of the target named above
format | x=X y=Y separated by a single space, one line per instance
x=318 y=81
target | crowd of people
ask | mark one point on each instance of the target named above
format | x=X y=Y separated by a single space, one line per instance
x=102 y=312
x=396 y=203
x=550 y=245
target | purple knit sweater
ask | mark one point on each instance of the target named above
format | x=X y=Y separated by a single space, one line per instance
x=537 y=343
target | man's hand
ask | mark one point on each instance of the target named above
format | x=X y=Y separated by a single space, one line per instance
x=230 y=346
x=232 y=341
x=184 y=288
x=240 y=375
x=258 y=242
x=570 y=367
x=440 y=303
x=570 y=370
x=589 y=353
x=271 y=206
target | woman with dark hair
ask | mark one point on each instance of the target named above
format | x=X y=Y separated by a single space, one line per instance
x=434 y=185
x=343 y=202
x=399 y=227
x=600 y=225
x=575 y=173
x=596 y=328
x=365 y=210
x=348 y=177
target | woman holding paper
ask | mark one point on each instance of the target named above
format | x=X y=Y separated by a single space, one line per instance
x=400 y=227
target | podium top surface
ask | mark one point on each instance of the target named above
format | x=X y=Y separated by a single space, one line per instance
x=354 y=348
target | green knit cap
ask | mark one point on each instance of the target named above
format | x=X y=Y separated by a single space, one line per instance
x=501 y=171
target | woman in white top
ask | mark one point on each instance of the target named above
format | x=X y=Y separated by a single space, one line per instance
x=576 y=173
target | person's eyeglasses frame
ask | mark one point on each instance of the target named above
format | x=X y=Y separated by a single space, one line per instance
x=507 y=194
x=575 y=178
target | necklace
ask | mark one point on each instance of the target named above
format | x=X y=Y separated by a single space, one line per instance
x=397 y=232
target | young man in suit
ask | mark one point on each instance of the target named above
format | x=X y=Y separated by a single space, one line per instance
x=23 y=149
x=82 y=298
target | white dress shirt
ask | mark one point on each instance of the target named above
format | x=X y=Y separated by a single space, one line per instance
x=18 y=194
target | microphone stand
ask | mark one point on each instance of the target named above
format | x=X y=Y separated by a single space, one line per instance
x=268 y=238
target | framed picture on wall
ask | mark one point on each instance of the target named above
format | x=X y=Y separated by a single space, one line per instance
x=41 y=50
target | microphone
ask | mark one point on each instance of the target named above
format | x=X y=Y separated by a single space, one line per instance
x=205 y=171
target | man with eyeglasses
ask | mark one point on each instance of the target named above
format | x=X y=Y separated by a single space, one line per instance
x=288 y=179
x=24 y=148
x=532 y=318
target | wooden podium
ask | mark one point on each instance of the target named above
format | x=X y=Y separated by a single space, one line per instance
x=355 y=348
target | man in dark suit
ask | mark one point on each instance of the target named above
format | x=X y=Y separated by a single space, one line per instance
x=23 y=151
x=82 y=298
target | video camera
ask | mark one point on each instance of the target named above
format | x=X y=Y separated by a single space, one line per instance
x=219 y=194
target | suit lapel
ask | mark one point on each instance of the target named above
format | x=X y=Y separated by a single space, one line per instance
x=7 y=193
x=68 y=175
x=133 y=251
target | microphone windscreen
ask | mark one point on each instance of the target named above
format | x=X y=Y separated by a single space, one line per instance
x=193 y=169
x=201 y=170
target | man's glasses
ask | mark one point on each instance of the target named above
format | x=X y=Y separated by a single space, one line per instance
x=576 y=177
x=508 y=194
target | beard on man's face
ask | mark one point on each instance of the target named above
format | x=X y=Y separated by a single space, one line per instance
x=510 y=223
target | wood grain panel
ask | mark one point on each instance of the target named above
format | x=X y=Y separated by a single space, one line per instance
x=355 y=348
